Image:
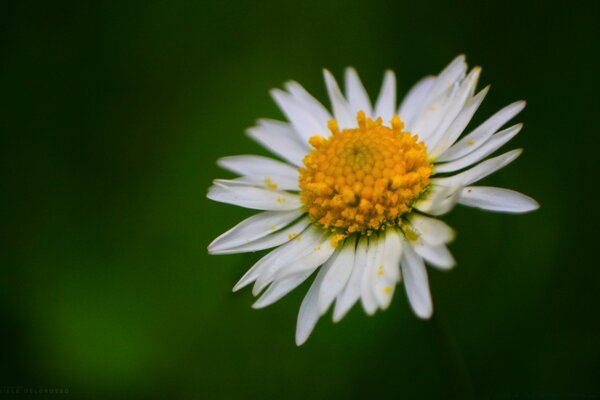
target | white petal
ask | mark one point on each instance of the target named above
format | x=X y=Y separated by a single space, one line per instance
x=389 y=275
x=279 y=289
x=255 y=227
x=302 y=245
x=280 y=138
x=273 y=240
x=253 y=197
x=357 y=94
x=394 y=244
x=351 y=292
x=492 y=144
x=448 y=77
x=413 y=101
x=257 y=165
x=374 y=261
x=309 y=261
x=459 y=124
x=337 y=275
x=302 y=120
x=265 y=182
x=416 y=283
x=433 y=113
x=386 y=102
x=477 y=137
x=428 y=114
x=441 y=199
x=309 y=102
x=497 y=199
x=456 y=104
x=432 y=231
x=341 y=108
x=258 y=268
x=481 y=170
x=309 y=309
x=436 y=255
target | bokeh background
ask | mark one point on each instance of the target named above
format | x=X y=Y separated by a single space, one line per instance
x=112 y=116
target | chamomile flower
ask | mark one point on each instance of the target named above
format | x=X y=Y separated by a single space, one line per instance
x=357 y=195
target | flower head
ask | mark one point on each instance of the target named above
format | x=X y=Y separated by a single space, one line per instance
x=358 y=193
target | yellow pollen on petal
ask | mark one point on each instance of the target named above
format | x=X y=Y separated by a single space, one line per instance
x=410 y=234
x=270 y=184
x=387 y=290
x=363 y=179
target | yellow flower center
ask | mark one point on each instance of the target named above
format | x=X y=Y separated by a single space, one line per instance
x=363 y=179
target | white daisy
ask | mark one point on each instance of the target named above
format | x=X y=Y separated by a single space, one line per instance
x=359 y=190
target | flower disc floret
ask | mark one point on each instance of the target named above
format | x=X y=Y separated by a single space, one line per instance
x=363 y=179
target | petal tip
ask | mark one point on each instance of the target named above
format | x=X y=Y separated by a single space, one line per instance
x=300 y=340
x=258 y=305
x=424 y=313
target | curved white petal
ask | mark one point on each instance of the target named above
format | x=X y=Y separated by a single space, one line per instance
x=302 y=120
x=285 y=251
x=253 y=197
x=482 y=133
x=481 y=170
x=386 y=102
x=290 y=276
x=448 y=77
x=311 y=104
x=252 y=228
x=497 y=199
x=388 y=276
x=295 y=250
x=315 y=257
x=337 y=274
x=266 y=182
x=492 y=144
x=436 y=255
x=281 y=139
x=274 y=239
x=416 y=283
x=373 y=263
x=413 y=101
x=428 y=114
x=433 y=113
x=267 y=261
x=459 y=124
x=279 y=289
x=340 y=106
x=357 y=94
x=394 y=243
x=351 y=292
x=309 y=309
x=456 y=103
x=431 y=230
x=440 y=200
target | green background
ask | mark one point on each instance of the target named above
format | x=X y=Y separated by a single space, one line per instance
x=112 y=116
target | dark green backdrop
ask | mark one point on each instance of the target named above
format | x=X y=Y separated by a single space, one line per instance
x=112 y=116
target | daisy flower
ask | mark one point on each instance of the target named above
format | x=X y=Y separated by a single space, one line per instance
x=358 y=191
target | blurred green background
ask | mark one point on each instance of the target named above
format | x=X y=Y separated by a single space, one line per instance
x=112 y=116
